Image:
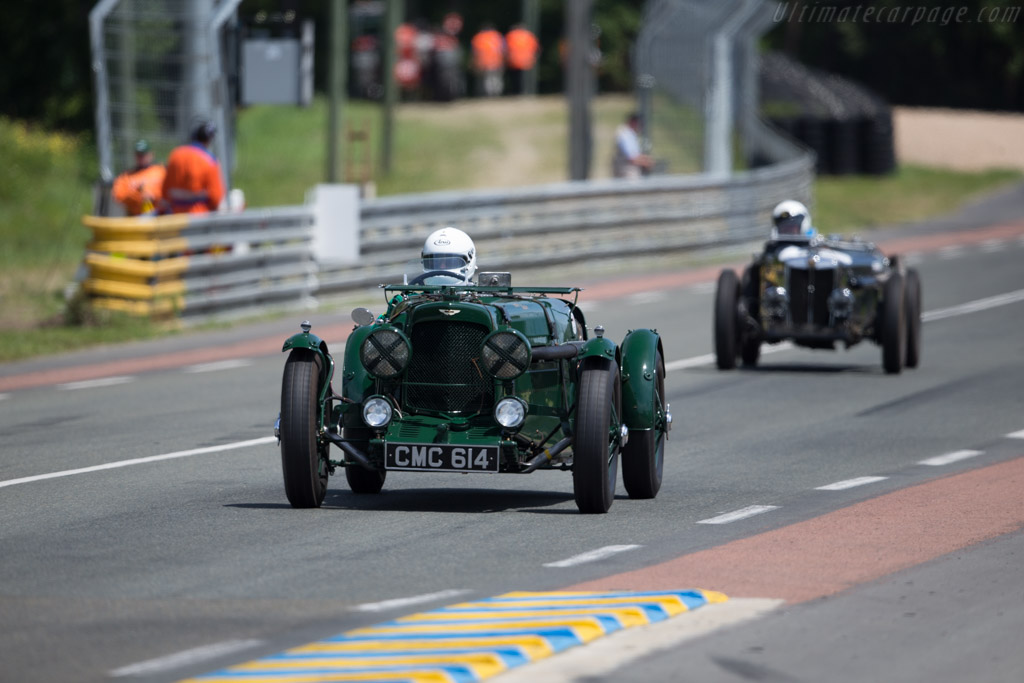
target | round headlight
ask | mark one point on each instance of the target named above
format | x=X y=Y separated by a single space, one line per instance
x=505 y=354
x=510 y=412
x=385 y=353
x=376 y=412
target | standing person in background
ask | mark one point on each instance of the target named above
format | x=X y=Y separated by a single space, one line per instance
x=489 y=60
x=629 y=160
x=522 y=56
x=140 y=188
x=193 y=183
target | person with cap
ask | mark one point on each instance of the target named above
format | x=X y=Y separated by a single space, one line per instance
x=193 y=182
x=140 y=188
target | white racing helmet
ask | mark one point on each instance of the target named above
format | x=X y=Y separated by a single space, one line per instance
x=792 y=220
x=451 y=250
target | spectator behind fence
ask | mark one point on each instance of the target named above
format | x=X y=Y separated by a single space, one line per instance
x=139 y=189
x=629 y=160
x=193 y=183
x=522 y=56
x=489 y=61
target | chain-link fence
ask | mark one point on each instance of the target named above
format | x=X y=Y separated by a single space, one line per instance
x=697 y=78
x=160 y=70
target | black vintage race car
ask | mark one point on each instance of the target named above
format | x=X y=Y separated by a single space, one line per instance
x=475 y=378
x=816 y=293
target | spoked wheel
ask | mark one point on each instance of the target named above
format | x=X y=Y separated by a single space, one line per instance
x=596 y=441
x=894 y=325
x=303 y=461
x=912 y=305
x=727 y=296
x=361 y=480
x=643 y=456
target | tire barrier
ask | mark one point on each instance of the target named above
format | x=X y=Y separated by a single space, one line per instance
x=192 y=264
x=848 y=127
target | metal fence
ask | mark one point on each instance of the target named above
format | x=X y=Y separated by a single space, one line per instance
x=697 y=78
x=159 y=69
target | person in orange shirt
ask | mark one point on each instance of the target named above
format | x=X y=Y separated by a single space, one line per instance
x=489 y=60
x=140 y=188
x=522 y=55
x=193 y=183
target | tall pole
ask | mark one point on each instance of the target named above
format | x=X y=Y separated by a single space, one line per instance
x=578 y=86
x=393 y=16
x=531 y=20
x=338 y=68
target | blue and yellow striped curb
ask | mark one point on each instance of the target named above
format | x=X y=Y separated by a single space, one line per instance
x=466 y=642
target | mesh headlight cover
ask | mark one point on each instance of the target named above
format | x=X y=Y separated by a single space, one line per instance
x=385 y=353
x=505 y=354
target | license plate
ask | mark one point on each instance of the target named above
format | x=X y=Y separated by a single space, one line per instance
x=440 y=457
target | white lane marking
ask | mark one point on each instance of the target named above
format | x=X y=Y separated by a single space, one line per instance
x=592 y=555
x=385 y=605
x=951 y=252
x=3 y=396
x=1016 y=435
x=705 y=287
x=94 y=383
x=218 y=365
x=974 y=306
x=992 y=246
x=737 y=515
x=912 y=258
x=185 y=657
x=709 y=358
x=948 y=458
x=850 y=483
x=139 y=461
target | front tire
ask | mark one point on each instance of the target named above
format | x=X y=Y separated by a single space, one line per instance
x=727 y=296
x=894 y=325
x=912 y=304
x=595 y=443
x=302 y=462
x=643 y=456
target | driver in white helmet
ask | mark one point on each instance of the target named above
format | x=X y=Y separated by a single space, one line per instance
x=448 y=257
x=791 y=222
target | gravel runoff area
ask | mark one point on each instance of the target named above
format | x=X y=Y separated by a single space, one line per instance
x=961 y=139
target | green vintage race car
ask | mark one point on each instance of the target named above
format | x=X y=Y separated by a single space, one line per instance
x=475 y=378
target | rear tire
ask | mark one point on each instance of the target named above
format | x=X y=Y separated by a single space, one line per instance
x=595 y=449
x=643 y=456
x=360 y=479
x=912 y=304
x=727 y=296
x=302 y=462
x=894 y=325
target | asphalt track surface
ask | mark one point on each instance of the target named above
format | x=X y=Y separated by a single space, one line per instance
x=118 y=565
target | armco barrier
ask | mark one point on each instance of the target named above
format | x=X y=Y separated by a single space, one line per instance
x=567 y=222
x=225 y=262
x=189 y=264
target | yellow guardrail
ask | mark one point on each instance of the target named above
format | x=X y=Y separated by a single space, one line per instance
x=135 y=265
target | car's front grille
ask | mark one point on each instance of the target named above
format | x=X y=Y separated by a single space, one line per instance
x=808 y=295
x=445 y=373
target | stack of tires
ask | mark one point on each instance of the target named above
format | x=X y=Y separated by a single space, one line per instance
x=848 y=127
